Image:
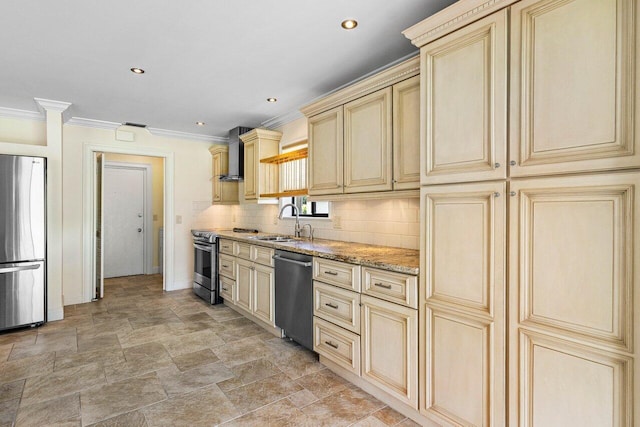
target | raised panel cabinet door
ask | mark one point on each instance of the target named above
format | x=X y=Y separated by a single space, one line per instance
x=574 y=86
x=462 y=307
x=244 y=284
x=251 y=171
x=325 y=162
x=464 y=95
x=389 y=340
x=574 y=255
x=263 y=293
x=215 y=179
x=406 y=134
x=367 y=143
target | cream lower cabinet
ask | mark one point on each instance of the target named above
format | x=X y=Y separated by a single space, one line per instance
x=247 y=279
x=575 y=298
x=462 y=304
x=389 y=346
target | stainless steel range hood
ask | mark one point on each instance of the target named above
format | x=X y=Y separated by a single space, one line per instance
x=236 y=155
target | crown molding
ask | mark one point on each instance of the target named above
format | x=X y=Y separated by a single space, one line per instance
x=91 y=123
x=13 y=113
x=452 y=18
x=51 y=105
x=281 y=120
x=188 y=136
x=369 y=83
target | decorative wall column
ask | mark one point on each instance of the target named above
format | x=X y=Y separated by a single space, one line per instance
x=53 y=111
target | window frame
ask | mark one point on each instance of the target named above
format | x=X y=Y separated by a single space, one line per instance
x=313 y=214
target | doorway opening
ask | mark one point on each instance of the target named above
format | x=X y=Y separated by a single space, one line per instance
x=95 y=157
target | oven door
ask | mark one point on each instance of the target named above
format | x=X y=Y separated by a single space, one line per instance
x=203 y=265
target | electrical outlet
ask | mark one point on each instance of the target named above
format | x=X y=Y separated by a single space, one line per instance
x=337 y=222
x=178 y=219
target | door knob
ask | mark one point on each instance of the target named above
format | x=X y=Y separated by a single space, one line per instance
x=139 y=230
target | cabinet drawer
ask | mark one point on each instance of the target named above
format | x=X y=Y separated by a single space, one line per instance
x=337 y=305
x=387 y=285
x=262 y=255
x=227 y=266
x=227 y=288
x=337 y=273
x=225 y=246
x=336 y=344
x=242 y=250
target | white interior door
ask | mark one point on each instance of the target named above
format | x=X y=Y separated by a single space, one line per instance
x=124 y=212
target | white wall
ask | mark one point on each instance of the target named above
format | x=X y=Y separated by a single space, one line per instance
x=378 y=222
x=192 y=187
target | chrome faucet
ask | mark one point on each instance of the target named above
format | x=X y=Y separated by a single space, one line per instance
x=295 y=210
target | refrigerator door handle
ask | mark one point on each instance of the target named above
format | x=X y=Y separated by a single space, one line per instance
x=20 y=268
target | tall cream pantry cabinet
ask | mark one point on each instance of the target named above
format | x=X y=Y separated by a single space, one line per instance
x=530 y=213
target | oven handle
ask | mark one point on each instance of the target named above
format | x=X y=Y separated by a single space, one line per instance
x=202 y=248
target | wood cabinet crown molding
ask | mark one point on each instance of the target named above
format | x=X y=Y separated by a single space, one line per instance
x=260 y=134
x=388 y=77
x=452 y=18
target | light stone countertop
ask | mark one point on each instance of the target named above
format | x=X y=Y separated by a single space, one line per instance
x=384 y=257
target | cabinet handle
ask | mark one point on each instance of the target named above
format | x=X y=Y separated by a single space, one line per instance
x=496 y=194
x=381 y=285
x=332 y=273
x=225 y=289
x=512 y=162
x=497 y=165
x=330 y=344
x=225 y=266
x=328 y=304
x=513 y=193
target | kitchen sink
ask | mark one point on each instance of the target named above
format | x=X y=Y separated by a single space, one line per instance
x=274 y=238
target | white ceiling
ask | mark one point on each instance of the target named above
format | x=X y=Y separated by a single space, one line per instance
x=205 y=60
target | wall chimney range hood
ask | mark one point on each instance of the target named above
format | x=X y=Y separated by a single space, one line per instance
x=236 y=155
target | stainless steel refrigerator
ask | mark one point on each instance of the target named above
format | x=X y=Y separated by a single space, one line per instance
x=22 y=241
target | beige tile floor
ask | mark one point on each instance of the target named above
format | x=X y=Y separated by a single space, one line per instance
x=144 y=357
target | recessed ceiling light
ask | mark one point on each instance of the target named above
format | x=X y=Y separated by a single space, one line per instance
x=137 y=70
x=349 y=24
x=200 y=123
x=272 y=100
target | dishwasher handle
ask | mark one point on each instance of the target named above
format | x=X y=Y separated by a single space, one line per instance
x=304 y=264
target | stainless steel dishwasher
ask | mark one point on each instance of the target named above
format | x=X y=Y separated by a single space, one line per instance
x=294 y=296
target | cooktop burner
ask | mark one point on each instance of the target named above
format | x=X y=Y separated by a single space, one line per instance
x=244 y=230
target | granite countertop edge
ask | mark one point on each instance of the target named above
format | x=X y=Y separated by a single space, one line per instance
x=388 y=258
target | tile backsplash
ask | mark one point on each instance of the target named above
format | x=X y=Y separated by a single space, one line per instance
x=379 y=222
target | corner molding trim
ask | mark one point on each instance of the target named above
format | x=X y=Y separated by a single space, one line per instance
x=91 y=123
x=281 y=120
x=51 y=105
x=451 y=18
x=13 y=113
x=186 y=135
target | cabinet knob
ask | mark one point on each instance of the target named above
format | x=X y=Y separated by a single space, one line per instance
x=513 y=193
x=497 y=165
x=496 y=194
x=512 y=163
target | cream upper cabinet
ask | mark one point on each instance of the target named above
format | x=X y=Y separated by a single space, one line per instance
x=222 y=192
x=462 y=312
x=389 y=345
x=574 y=88
x=406 y=134
x=464 y=89
x=326 y=152
x=364 y=139
x=259 y=144
x=573 y=334
x=367 y=143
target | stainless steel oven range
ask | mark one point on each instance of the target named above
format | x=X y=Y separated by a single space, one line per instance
x=205 y=263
